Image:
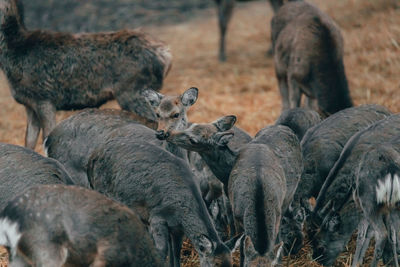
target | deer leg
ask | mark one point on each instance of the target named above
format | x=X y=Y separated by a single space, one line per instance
x=225 y=8
x=32 y=128
x=284 y=90
x=380 y=240
x=50 y=255
x=176 y=249
x=311 y=103
x=363 y=238
x=46 y=113
x=160 y=234
x=294 y=93
x=18 y=261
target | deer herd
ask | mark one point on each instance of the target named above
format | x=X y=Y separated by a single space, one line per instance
x=125 y=187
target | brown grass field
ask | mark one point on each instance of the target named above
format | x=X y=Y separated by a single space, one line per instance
x=246 y=86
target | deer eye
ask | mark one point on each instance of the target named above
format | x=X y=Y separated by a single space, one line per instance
x=192 y=141
x=176 y=115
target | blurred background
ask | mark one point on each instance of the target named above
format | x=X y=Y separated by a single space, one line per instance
x=245 y=85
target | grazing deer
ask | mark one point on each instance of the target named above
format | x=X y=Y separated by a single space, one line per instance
x=299 y=120
x=211 y=142
x=308 y=54
x=21 y=168
x=321 y=147
x=161 y=188
x=377 y=193
x=340 y=184
x=58 y=225
x=60 y=71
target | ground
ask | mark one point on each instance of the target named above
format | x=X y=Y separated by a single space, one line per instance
x=245 y=85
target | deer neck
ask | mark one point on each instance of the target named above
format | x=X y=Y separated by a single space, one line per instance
x=220 y=160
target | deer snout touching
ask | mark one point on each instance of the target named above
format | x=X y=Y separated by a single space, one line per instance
x=162 y=135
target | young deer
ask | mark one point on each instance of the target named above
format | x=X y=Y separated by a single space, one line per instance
x=163 y=191
x=309 y=59
x=211 y=142
x=21 y=168
x=171 y=115
x=341 y=182
x=58 y=225
x=60 y=71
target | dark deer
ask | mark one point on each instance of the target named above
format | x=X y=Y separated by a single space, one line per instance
x=340 y=184
x=309 y=60
x=163 y=191
x=50 y=71
x=21 y=168
x=58 y=225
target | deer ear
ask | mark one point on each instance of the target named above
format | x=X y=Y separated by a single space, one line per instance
x=189 y=97
x=153 y=97
x=205 y=245
x=225 y=123
x=222 y=138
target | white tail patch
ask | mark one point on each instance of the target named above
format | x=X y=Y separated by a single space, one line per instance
x=388 y=190
x=9 y=234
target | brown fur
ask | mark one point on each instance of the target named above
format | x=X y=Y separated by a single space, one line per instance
x=50 y=71
x=309 y=58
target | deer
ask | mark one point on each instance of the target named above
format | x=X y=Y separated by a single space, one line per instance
x=321 y=147
x=308 y=55
x=57 y=225
x=339 y=186
x=51 y=71
x=211 y=141
x=21 y=168
x=299 y=120
x=377 y=193
x=161 y=188
x=74 y=139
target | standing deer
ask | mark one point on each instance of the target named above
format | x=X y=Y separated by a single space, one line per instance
x=308 y=54
x=58 y=225
x=50 y=71
x=224 y=10
x=161 y=188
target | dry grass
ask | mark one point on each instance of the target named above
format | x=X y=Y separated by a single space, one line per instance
x=246 y=84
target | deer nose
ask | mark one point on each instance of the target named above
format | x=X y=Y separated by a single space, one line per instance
x=162 y=135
